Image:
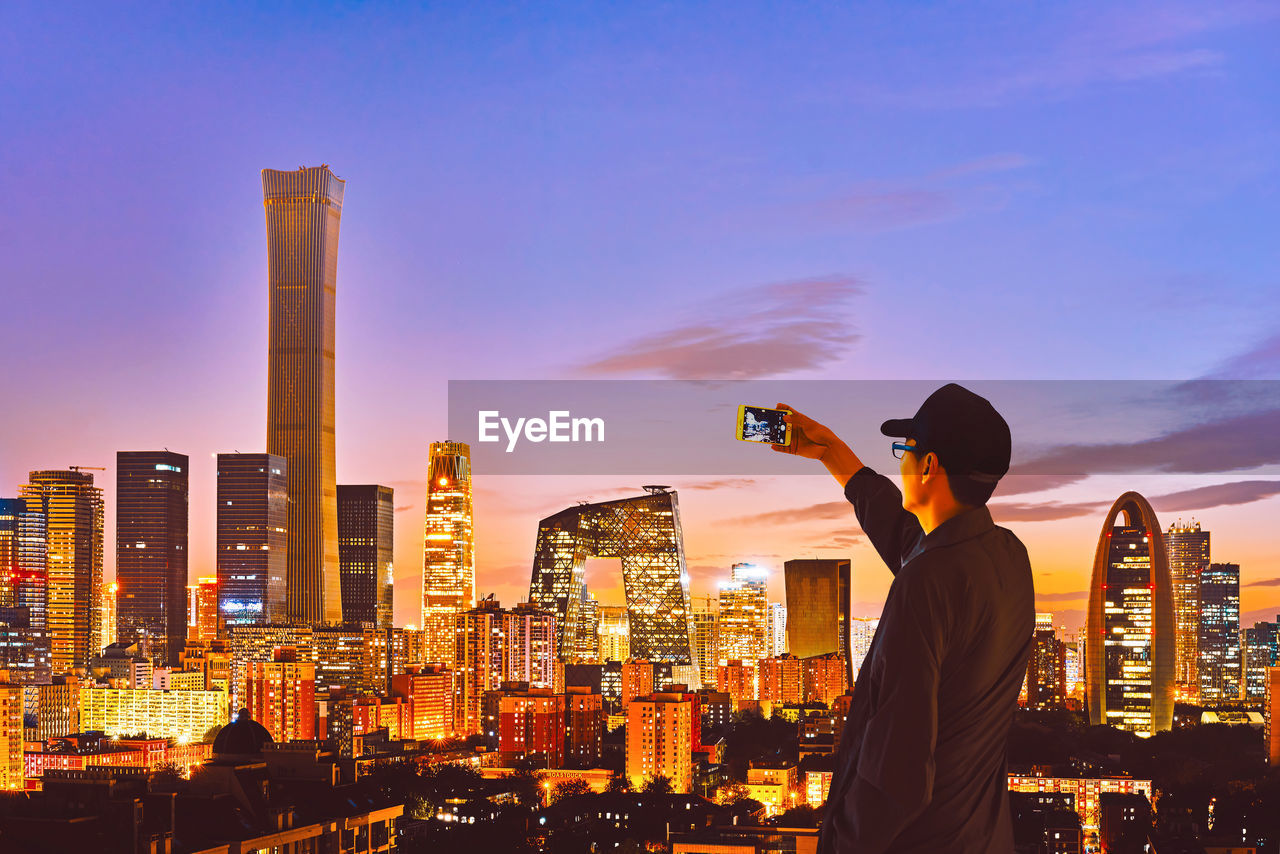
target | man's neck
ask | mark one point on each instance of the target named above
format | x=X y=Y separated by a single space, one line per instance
x=933 y=515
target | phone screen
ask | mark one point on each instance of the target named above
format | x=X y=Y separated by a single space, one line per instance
x=760 y=424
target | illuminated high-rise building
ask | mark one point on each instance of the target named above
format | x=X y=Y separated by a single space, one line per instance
x=615 y=633
x=588 y=638
x=202 y=621
x=703 y=643
x=584 y=727
x=303 y=213
x=1220 y=633
x=366 y=539
x=448 y=549
x=1130 y=626
x=281 y=695
x=819 y=602
x=777 y=629
x=660 y=740
x=1047 y=667
x=73 y=511
x=252 y=514
x=862 y=630
x=645 y=533
x=781 y=679
x=23 y=591
x=428 y=690
x=1258 y=651
x=530 y=636
x=480 y=662
x=1188 y=549
x=1271 y=716
x=531 y=725
x=744 y=614
x=186 y=715
x=11 y=735
x=107 y=610
x=151 y=552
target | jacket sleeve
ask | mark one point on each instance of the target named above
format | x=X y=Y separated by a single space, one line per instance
x=893 y=781
x=878 y=505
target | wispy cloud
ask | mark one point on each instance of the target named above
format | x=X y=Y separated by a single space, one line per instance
x=1226 y=444
x=1044 y=511
x=793 y=515
x=1217 y=495
x=1266 y=582
x=758 y=332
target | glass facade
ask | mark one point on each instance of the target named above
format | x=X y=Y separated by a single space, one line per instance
x=73 y=511
x=251 y=540
x=1188 y=548
x=303 y=213
x=1130 y=654
x=819 y=589
x=366 y=520
x=1220 y=633
x=24 y=648
x=448 y=549
x=645 y=533
x=151 y=552
x=1258 y=650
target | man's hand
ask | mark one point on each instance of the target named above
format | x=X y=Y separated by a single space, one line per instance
x=817 y=442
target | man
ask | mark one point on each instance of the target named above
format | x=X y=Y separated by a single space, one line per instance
x=921 y=766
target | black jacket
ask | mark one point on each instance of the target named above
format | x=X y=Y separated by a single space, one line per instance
x=921 y=765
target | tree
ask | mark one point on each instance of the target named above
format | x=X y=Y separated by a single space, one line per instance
x=569 y=789
x=168 y=777
x=658 y=784
x=618 y=783
x=732 y=792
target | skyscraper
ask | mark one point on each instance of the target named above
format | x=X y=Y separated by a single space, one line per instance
x=587 y=647
x=1220 y=633
x=366 y=520
x=659 y=740
x=645 y=533
x=253 y=504
x=777 y=628
x=530 y=636
x=73 y=511
x=1129 y=669
x=703 y=642
x=1257 y=654
x=23 y=590
x=480 y=663
x=303 y=213
x=1047 y=667
x=281 y=695
x=818 y=600
x=151 y=552
x=448 y=550
x=744 y=614
x=615 y=638
x=1188 y=549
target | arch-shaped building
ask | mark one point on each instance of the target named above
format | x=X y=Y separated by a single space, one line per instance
x=1130 y=637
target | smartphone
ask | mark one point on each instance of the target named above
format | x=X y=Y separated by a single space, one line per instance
x=761 y=424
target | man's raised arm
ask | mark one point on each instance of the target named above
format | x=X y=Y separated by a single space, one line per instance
x=876 y=501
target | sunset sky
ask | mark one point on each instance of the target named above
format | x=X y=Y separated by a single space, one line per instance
x=662 y=191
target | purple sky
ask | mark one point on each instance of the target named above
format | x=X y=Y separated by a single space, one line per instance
x=659 y=191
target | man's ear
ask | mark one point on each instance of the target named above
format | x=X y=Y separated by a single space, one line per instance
x=928 y=463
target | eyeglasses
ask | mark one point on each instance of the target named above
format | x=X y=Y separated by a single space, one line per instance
x=899 y=449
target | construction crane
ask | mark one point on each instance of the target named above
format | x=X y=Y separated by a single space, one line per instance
x=86 y=468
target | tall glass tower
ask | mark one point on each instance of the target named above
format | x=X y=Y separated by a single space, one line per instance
x=252 y=544
x=645 y=533
x=448 y=550
x=1188 y=548
x=1220 y=633
x=366 y=544
x=23 y=591
x=1130 y=648
x=151 y=552
x=73 y=511
x=303 y=211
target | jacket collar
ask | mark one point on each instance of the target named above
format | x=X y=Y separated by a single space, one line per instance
x=963 y=526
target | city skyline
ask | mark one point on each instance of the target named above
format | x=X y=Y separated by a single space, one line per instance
x=776 y=187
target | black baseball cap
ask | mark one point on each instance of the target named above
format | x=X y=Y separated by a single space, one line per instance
x=963 y=429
